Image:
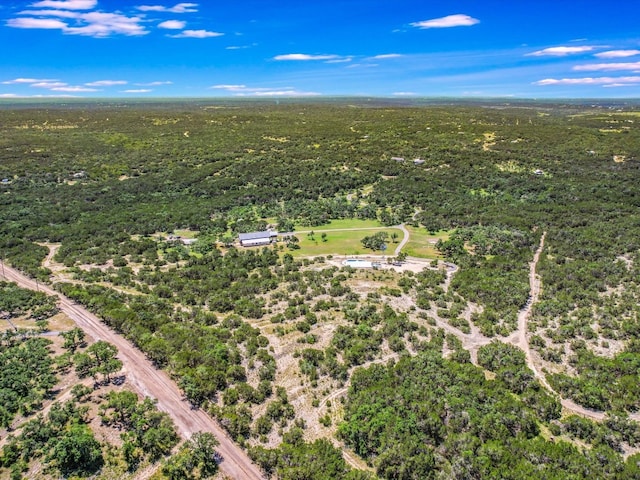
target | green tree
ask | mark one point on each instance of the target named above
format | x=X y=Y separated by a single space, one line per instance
x=227 y=240
x=120 y=409
x=98 y=359
x=285 y=225
x=197 y=459
x=80 y=391
x=295 y=459
x=77 y=452
x=73 y=339
x=202 y=445
x=179 y=466
x=378 y=241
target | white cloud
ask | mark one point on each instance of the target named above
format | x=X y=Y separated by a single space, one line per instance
x=74 y=89
x=560 y=51
x=305 y=57
x=404 y=94
x=618 y=53
x=46 y=23
x=196 y=34
x=244 y=91
x=152 y=8
x=52 y=13
x=615 y=85
x=13 y=95
x=458 y=20
x=153 y=84
x=139 y=90
x=179 y=8
x=172 y=24
x=283 y=93
x=106 y=83
x=241 y=47
x=94 y=24
x=53 y=84
x=101 y=24
x=230 y=88
x=28 y=80
x=596 y=67
x=340 y=60
x=363 y=65
x=67 y=4
x=589 y=81
x=386 y=56
x=58 y=86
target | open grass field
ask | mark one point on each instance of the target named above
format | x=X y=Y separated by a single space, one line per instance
x=341 y=242
x=354 y=223
x=422 y=244
x=185 y=233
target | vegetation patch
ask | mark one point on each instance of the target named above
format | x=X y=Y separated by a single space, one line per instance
x=271 y=339
x=341 y=242
x=422 y=243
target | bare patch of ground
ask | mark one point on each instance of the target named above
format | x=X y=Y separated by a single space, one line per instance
x=488 y=141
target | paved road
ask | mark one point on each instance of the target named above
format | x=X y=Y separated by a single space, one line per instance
x=151 y=382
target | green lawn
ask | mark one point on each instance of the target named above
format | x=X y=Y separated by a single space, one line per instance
x=343 y=223
x=344 y=238
x=341 y=242
x=422 y=243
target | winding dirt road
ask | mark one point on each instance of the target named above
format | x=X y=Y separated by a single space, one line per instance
x=404 y=241
x=151 y=382
x=519 y=339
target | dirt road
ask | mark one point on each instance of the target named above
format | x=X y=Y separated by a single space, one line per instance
x=404 y=241
x=151 y=382
x=519 y=339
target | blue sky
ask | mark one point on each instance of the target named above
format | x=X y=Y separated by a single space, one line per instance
x=268 y=48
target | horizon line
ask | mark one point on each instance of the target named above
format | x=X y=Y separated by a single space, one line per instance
x=303 y=98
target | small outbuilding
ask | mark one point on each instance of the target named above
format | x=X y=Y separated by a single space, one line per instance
x=253 y=239
x=357 y=263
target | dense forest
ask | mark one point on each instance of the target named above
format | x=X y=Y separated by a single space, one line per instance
x=298 y=356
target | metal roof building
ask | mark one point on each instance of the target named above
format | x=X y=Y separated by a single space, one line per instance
x=252 y=239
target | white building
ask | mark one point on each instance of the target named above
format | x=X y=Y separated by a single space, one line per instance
x=253 y=239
